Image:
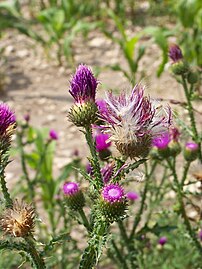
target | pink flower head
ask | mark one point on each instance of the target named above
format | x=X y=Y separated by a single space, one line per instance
x=134 y=120
x=113 y=193
x=175 y=53
x=107 y=172
x=192 y=146
x=133 y=196
x=7 y=118
x=83 y=85
x=53 y=135
x=102 y=141
x=161 y=142
x=162 y=240
x=27 y=117
x=70 y=188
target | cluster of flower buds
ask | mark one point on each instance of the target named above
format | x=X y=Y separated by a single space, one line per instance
x=73 y=195
x=83 y=87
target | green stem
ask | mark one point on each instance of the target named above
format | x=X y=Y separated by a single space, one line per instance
x=139 y=214
x=129 y=244
x=123 y=232
x=85 y=220
x=119 y=256
x=31 y=190
x=184 y=176
x=96 y=165
x=182 y=208
x=4 y=188
x=96 y=242
x=191 y=115
x=37 y=259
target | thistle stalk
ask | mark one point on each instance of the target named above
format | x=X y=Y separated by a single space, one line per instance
x=144 y=195
x=36 y=258
x=96 y=242
x=95 y=164
x=6 y=194
x=191 y=115
x=182 y=207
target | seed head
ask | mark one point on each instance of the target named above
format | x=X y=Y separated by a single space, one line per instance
x=133 y=121
x=18 y=221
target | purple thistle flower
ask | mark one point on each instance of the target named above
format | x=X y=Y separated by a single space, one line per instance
x=27 y=117
x=161 y=142
x=107 y=172
x=7 y=118
x=133 y=196
x=200 y=235
x=83 y=85
x=113 y=193
x=102 y=106
x=102 y=141
x=162 y=240
x=70 y=188
x=175 y=53
x=192 y=146
x=191 y=151
x=73 y=195
x=53 y=135
x=89 y=169
x=133 y=121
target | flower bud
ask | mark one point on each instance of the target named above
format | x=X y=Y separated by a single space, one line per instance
x=132 y=196
x=161 y=143
x=162 y=241
x=74 y=197
x=192 y=77
x=174 y=148
x=53 y=135
x=83 y=115
x=180 y=68
x=191 y=151
x=113 y=202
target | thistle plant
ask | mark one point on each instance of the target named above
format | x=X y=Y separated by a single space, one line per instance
x=119 y=208
x=18 y=218
x=131 y=122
